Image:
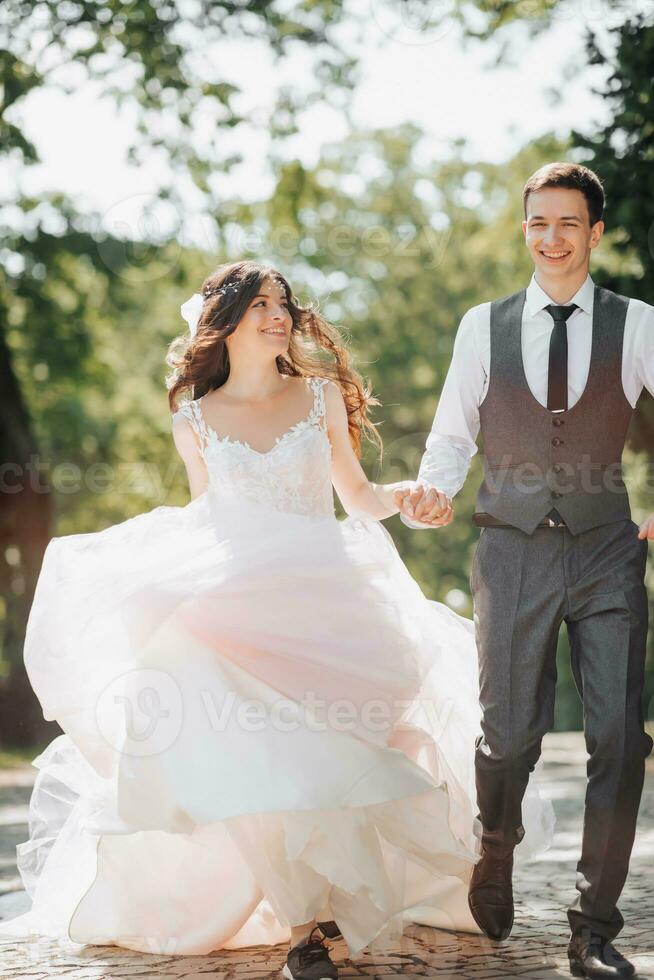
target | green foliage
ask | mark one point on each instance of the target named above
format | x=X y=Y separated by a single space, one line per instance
x=395 y=246
x=394 y=249
x=169 y=48
x=76 y=346
x=398 y=249
x=622 y=153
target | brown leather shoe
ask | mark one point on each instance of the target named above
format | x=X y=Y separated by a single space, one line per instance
x=596 y=957
x=490 y=895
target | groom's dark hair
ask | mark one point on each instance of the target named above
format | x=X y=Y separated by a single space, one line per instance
x=573 y=176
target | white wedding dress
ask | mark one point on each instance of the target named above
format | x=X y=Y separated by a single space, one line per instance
x=199 y=798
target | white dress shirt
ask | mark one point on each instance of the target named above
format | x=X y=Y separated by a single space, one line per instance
x=451 y=444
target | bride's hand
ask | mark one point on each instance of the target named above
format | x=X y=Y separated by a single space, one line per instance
x=432 y=507
x=402 y=493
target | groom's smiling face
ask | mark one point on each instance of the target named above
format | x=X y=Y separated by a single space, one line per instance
x=558 y=232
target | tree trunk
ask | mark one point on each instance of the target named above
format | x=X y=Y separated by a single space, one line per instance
x=25 y=515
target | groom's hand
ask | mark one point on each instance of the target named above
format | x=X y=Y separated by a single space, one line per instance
x=432 y=507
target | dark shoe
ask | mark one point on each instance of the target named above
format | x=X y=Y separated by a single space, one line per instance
x=309 y=960
x=490 y=895
x=330 y=929
x=597 y=957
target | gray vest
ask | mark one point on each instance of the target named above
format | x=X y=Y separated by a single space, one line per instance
x=536 y=459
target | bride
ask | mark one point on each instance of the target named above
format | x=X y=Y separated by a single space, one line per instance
x=268 y=728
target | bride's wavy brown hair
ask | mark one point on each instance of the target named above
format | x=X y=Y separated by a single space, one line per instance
x=316 y=348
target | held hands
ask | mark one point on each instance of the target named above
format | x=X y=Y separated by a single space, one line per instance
x=646 y=529
x=431 y=507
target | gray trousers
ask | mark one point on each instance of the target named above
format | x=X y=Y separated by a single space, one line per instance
x=523 y=587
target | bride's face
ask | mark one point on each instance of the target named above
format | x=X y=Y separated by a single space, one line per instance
x=265 y=328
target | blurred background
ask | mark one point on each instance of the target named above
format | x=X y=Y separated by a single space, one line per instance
x=373 y=150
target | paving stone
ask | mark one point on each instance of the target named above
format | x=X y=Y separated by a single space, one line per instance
x=536 y=949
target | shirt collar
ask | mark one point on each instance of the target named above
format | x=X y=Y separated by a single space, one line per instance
x=537 y=299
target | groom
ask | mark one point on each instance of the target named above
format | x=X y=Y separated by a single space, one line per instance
x=551 y=375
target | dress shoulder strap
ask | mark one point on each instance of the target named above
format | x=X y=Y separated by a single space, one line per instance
x=191 y=411
x=318 y=386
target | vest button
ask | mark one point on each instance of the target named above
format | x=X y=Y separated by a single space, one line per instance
x=557 y=468
x=557 y=442
x=557 y=421
x=555 y=493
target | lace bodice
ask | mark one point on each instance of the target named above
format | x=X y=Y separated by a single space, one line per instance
x=293 y=476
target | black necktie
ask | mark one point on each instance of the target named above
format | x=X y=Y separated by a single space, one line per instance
x=557 y=378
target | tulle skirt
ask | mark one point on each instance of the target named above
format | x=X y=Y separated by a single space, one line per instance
x=265 y=720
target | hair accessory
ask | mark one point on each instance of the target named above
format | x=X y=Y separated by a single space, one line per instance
x=192 y=308
x=191 y=311
x=223 y=290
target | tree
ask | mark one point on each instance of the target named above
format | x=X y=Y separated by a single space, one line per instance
x=60 y=292
x=398 y=250
x=55 y=288
x=622 y=153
